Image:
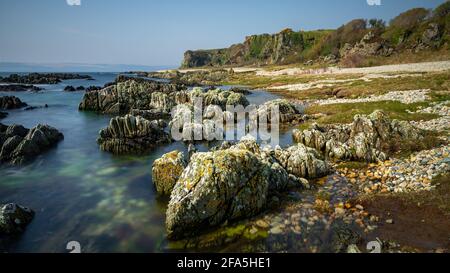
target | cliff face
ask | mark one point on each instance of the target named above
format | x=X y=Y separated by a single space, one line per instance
x=412 y=31
x=262 y=49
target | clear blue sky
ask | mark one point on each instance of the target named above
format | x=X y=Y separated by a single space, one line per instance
x=157 y=32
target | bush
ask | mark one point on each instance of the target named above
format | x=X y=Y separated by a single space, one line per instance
x=410 y=18
x=442 y=10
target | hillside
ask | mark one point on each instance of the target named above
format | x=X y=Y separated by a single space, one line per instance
x=413 y=31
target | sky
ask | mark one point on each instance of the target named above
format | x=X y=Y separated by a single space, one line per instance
x=158 y=32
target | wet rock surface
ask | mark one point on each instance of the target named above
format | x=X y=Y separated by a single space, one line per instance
x=19 y=88
x=11 y=102
x=43 y=78
x=20 y=145
x=132 y=135
x=14 y=218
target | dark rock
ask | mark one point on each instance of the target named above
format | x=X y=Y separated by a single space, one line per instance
x=19 y=88
x=11 y=102
x=70 y=88
x=80 y=88
x=132 y=135
x=43 y=78
x=20 y=145
x=14 y=218
x=3 y=115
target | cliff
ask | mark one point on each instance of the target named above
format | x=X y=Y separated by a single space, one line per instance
x=415 y=30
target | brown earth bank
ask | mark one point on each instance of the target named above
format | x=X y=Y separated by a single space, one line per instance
x=418 y=222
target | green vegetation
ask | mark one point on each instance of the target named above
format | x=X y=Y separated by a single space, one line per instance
x=344 y=113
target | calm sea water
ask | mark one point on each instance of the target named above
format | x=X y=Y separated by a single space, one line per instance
x=79 y=193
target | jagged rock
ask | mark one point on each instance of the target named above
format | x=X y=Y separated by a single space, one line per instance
x=167 y=170
x=70 y=88
x=19 y=88
x=14 y=218
x=153 y=114
x=370 y=45
x=43 y=78
x=302 y=161
x=11 y=102
x=226 y=184
x=288 y=111
x=20 y=145
x=219 y=97
x=121 y=97
x=131 y=134
x=360 y=141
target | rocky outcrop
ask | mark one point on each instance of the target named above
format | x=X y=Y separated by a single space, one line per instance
x=19 y=88
x=167 y=170
x=14 y=218
x=218 y=97
x=360 y=141
x=288 y=111
x=132 y=135
x=227 y=184
x=302 y=161
x=11 y=102
x=121 y=97
x=20 y=145
x=370 y=45
x=43 y=78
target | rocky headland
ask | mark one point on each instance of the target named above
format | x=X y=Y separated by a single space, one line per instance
x=42 y=78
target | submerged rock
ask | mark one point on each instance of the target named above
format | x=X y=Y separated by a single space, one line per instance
x=132 y=134
x=166 y=171
x=14 y=218
x=19 y=145
x=360 y=141
x=11 y=102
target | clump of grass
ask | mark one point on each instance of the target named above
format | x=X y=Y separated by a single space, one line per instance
x=405 y=147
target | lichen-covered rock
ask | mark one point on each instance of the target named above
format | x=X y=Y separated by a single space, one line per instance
x=219 y=97
x=123 y=96
x=132 y=135
x=215 y=187
x=302 y=161
x=360 y=141
x=14 y=218
x=167 y=170
x=288 y=111
x=231 y=183
x=19 y=145
x=11 y=102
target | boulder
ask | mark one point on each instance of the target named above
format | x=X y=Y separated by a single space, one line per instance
x=232 y=183
x=11 y=102
x=70 y=88
x=302 y=161
x=166 y=171
x=14 y=218
x=288 y=111
x=361 y=140
x=132 y=135
x=20 y=145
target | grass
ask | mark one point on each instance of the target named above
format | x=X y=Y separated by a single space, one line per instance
x=344 y=113
x=403 y=148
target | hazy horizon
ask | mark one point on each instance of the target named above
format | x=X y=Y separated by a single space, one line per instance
x=156 y=33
